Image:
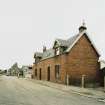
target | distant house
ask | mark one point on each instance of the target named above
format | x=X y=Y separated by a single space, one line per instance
x=69 y=60
x=24 y=71
x=27 y=71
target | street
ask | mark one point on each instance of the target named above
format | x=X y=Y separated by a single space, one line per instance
x=18 y=91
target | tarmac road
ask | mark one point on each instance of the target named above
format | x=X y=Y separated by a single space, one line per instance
x=14 y=91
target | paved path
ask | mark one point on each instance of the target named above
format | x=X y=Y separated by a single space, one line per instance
x=14 y=91
x=96 y=93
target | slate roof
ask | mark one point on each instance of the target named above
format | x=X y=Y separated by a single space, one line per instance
x=69 y=43
x=62 y=42
x=71 y=40
x=50 y=52
x=38 y=54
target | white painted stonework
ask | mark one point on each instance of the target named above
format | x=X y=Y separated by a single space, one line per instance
x=102 y=64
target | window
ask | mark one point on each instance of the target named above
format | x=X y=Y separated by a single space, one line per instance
x=57 y=71
x=40 y=73
x=57 y=51
x=35 y=72
x=48 y=73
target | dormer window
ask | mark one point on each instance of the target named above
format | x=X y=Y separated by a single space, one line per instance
x=60 y=46
x=56 y=48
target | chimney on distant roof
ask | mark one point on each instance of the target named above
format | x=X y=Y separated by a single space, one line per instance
x=44 y=48
x=83 y=27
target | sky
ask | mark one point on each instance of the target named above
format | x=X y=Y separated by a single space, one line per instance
x=28 y=25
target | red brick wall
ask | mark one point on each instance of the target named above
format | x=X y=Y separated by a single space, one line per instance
x=82 y=59
x=58 y=60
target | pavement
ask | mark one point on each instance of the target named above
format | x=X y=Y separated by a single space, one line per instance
x=96 y=93
x=20 y=91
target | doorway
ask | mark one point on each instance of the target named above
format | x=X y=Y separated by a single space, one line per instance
x=40 y=74
x=48 y=74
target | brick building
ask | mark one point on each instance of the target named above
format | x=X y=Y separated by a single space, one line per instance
x=69 y=60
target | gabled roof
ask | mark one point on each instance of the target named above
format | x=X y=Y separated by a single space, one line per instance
x=78 y=37
x=69 y=44
x=71 y=40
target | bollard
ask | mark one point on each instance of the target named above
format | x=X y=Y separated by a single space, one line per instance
x=104 y=83
x=83 y=81
x=67 y=80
